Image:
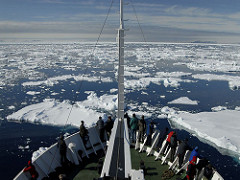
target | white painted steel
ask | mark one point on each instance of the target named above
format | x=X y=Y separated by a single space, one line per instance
x=121 y=65
x=128 y=162
x=108 y=157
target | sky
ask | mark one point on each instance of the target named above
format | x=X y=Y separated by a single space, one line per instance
x=160 y=20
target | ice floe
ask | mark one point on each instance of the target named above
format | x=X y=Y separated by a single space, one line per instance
x=51 y=111
x=23 y=147
x=113 y=90
x=11 y=107
x=184 y=100
x=32 y=93
x=218 y=108
x=220 y=128
x=55 y=80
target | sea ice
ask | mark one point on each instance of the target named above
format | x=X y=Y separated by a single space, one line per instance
x=11 y=107
x=183 y=100
x=55 y=80
x=218 y=108
x=23 y=147
x=220 y=128
x=162 y=116
x=51 y=111
x=113 y=90
x=32 y=93
x=163 y=96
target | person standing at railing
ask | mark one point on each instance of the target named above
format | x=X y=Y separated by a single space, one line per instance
x=84 y=133
x=149 y=133
x=168 y=140
x=182 y=148
x=62 y=149
x=163 y=136
x=109 y=126
x=208 y=172
x=191 y=169
x=195 y=153
x=141 y=128
x=128 y=119
x=134 y=126
x=100 y=125
x=173 y=145
x=31 y=169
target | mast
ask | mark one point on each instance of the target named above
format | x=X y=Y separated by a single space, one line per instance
x=121 y=65
x=117 y=163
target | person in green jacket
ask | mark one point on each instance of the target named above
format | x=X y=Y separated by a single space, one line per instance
x=133 y=127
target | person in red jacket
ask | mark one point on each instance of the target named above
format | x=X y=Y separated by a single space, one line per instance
x=31 y=169
x=191 y=169
x=168 y=141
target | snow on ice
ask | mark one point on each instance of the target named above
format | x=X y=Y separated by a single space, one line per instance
x=183 y=100
x=51 y=111
x=55 y=80
x=220 y=128
x=32 y=93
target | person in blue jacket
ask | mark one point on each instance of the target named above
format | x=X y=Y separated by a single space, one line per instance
x=194 y=153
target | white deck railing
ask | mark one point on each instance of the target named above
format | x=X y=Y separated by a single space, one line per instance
x=164 y=159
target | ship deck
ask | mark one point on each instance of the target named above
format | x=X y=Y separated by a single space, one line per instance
x=155 y=170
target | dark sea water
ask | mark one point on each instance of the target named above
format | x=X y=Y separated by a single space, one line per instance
x=19 y=140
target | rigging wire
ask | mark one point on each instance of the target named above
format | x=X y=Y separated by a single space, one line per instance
x=144 y=38
x=81 y=83
x=85 y=71
x=139 y=25
x=141 y=29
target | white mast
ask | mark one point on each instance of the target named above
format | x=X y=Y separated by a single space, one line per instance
x=121 y=65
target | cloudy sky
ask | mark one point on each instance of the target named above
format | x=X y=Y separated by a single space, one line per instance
x=161 y=20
